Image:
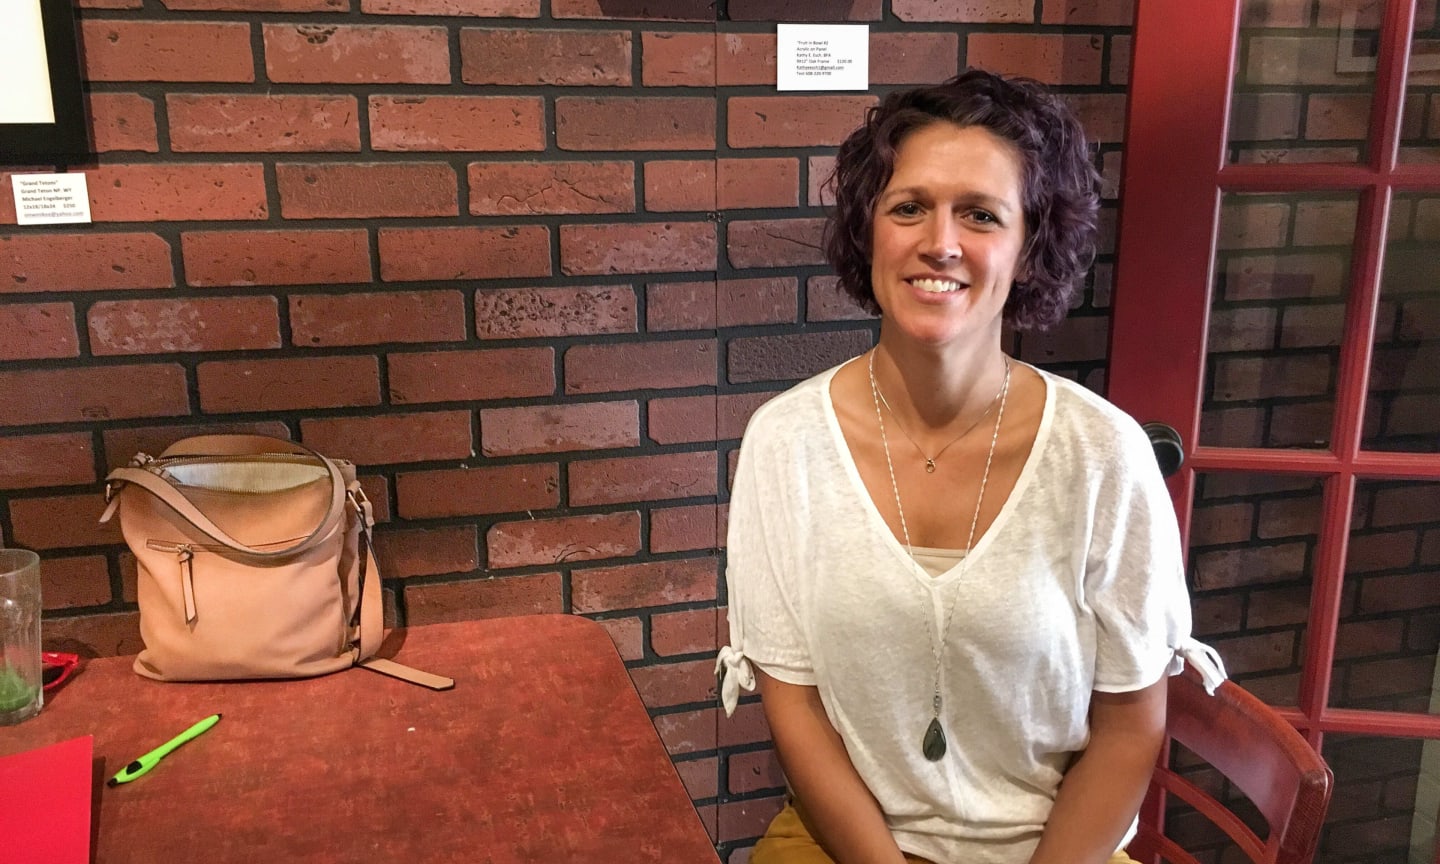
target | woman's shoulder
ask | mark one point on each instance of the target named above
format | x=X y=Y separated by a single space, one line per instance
x=1086 y=417
x=791 y=411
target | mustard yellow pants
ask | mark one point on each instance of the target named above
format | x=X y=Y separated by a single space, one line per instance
x=788 y=841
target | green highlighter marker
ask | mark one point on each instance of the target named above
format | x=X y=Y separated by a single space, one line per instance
x=140 y=766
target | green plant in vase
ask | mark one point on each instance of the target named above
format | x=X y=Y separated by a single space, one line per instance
x=15 y=691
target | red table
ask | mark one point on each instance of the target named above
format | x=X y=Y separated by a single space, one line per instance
x=543 y=752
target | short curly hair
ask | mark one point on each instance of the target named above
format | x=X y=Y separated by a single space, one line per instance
x=1060 y=197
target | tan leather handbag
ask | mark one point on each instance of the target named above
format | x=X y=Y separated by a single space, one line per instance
x=254 y=561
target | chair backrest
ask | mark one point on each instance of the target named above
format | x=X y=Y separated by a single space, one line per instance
x=1260 y=754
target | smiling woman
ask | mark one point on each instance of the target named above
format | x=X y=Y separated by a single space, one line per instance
x=947 y=623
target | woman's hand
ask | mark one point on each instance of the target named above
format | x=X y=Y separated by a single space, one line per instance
x=844 y=815
x=1102 y=791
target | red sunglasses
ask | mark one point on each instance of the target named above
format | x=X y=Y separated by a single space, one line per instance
x=56 y=667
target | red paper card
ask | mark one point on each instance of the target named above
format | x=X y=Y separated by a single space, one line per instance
x=45 y=804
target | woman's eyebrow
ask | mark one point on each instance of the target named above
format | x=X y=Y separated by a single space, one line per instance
x=990 y=202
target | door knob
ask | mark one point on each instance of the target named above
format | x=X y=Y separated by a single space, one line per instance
x=1169 y=449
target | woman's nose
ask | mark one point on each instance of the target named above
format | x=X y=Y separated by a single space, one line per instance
x=942 y=238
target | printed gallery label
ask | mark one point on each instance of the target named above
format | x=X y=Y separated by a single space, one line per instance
x=822 y=57
x=47 y=199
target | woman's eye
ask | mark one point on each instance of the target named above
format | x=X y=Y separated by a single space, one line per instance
x=983 y=217
x=909 y=208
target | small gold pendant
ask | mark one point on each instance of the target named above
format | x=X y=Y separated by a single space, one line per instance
x=929 y=466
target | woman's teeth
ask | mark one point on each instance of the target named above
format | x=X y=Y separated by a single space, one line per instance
x=936 y=286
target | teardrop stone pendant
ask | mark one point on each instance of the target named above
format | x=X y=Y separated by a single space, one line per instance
x=933 y=745
x=929 y=466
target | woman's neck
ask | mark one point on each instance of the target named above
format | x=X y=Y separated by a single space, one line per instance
x=935 y=391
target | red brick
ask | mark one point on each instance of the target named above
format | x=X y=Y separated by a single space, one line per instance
x=85 y=395
x=670 y=684
x=628 y=634
x=425 y=254
x=559 y=428
x=648 y=247
x=366 y=190
x=1251 y=565
x=62 y=521
x=465 y=123
x=693 y=631
x=478 y=491
x=746 y=726
x=472 y=8
x=462 y=376
x=624 y=123
x=1409 y=505
x=156 y=193
x=123 y=121
x=1388 y=551
x=793 y=121
x=1108 y=13
x=741 y=820
x=688 y=731
x=642 y=478
x=746 y=183
x=84 y=262
x=348 y=54
x=287 y=384
x=121 y=444
x=680 y=306
x=529 y=313
x=272 y=123
x=824 y=301
x=1102 y=115
x=1051 y=58
x=683 y=529
x=329 y=320
x=753 y=771
x=260 y=5
x=746 y=58
x=701 y=777
x=805 y=10
x=783 y=358
x=671 y=59
x=522 y=57
x=1403 y=591
x=403 y=553
x=467 y=600
x=682 y=420
x=569 y=538
x=639 y=366
x=38 y=331
x=236 y=258
x=67 y=583
x=965 y=11
x=676 y=185
x=636 y=586
x=775 y=243
x=740 y=302
x=534 y=188
x=94 y=635
x=1120 y=50
x=168 y=326
x=1247 y=378
x=649 y=10
x=1075 y=340
x=109 y=4
x=167 y=51
x=31 y=461
x=914 y=58
x=392 y=438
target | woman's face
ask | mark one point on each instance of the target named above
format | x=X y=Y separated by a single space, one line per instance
x=948 y=233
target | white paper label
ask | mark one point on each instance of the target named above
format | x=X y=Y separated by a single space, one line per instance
x=45 y=199
x=822 y=57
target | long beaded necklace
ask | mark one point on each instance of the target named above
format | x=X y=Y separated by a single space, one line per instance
x=933 y=745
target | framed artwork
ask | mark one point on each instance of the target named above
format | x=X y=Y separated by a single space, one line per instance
x=42 y=104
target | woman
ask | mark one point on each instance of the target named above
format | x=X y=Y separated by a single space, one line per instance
x=956 y=579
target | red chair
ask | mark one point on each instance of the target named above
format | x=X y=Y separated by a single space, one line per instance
x=1261 y=755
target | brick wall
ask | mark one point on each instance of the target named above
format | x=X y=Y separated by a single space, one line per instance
x=530 y=263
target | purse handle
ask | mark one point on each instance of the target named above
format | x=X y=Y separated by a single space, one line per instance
x=230 y=445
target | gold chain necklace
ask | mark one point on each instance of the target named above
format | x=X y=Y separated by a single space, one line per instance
x=930 y=460
x=932 y=745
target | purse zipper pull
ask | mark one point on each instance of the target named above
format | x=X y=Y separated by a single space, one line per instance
x=187 y=580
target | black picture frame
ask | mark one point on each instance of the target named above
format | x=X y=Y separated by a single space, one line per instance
x=67 y=140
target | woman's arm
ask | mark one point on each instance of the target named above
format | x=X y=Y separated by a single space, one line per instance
x=1102 y=791
x=847 y=821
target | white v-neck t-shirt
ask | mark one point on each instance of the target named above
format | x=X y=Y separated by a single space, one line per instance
x=1077 y=586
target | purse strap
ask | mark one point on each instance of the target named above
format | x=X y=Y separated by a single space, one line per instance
x=230 y=445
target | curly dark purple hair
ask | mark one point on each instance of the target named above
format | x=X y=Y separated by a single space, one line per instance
x=1060 y=197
